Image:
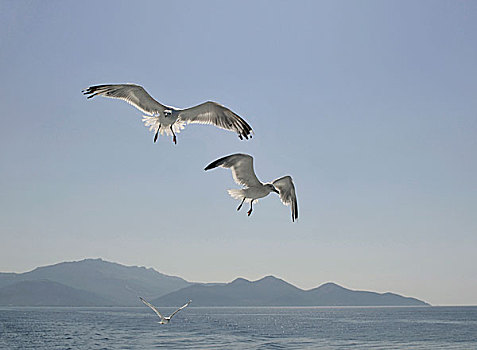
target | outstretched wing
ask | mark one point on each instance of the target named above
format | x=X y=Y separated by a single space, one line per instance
x=152 y=307
x=218 y=115
x=179 y=309
x=132 y=94
x=241 y=166
x=285 y=186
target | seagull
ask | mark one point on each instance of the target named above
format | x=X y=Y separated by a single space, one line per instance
x=164 y=320
x=170 y=120
x=243 y=174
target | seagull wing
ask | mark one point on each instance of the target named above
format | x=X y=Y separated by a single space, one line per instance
x=285 y=186
x=179 y=309
x=152 y=307
x=241 y=166
x=218 y=115
x=132 y=94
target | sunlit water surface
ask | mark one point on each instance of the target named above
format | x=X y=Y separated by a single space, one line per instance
x=240 y=328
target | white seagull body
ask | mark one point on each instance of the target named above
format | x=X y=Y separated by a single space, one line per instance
x=243 y=174
x=170 y=120
x=164 y=320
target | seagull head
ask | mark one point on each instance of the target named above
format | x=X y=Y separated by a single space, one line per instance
x=272 y=188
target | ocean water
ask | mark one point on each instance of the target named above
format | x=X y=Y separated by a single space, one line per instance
x=240 y=328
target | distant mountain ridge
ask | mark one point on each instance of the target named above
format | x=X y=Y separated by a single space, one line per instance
x=272 y=291
x=48 y=293
x=95 y=282
x=114 y=283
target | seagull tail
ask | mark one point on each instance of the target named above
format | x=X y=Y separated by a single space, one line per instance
x=236 y=193
x=153 y=124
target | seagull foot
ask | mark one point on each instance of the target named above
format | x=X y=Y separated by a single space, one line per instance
x=241 y=203
x=157 y=133
x=174 y=139
x=249 y=212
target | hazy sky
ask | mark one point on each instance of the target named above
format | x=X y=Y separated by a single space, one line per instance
x=370 y=105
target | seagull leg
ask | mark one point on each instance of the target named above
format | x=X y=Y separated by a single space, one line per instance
x=174 y=139
x=240 y=206
x=250 y=211
x=157 y=133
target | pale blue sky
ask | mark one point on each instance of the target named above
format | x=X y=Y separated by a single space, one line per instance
x=370 y=106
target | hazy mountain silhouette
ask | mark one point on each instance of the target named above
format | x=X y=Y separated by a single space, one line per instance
x=48 y=293
x=95 y=282
x=272 y=291
x=331 y=294
x=116 y=283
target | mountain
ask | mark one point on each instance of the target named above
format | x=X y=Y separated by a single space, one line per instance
x=47 y=293
x=331 y=294
x=272 y=291
x=95 y=282
x=240 y=292
x=115 y=283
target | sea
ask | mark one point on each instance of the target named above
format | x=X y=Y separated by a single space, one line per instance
x=239 y=328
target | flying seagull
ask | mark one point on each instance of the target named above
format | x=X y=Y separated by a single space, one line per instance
x=243 y=174
x=164 y=320
x=165 y=119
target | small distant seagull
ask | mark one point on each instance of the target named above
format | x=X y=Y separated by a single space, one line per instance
x=243 y=174
x=170 y=120
x=164 y=320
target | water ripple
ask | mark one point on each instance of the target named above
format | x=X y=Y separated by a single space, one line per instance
x=240 y=328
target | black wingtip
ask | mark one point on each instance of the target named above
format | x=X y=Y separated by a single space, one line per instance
x=213 y=165
x=216 y=163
